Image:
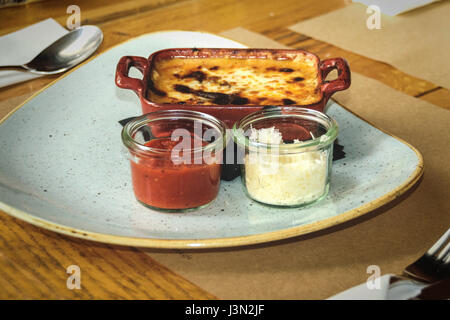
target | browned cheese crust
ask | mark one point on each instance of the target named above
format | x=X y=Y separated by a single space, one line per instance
x=235 y=81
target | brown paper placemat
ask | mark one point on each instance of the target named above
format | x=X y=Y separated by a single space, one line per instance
x=417 y=42
x=319 y=265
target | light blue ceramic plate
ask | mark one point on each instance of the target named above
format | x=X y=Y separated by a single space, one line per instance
x=63 y=168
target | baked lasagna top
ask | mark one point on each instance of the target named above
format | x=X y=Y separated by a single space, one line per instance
x=235 y=81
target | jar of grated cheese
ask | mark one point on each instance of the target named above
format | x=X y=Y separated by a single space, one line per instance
x=288 y=155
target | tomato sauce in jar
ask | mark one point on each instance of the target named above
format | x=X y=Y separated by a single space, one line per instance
x=168 y=178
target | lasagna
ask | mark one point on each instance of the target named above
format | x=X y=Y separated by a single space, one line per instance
x=233 y=80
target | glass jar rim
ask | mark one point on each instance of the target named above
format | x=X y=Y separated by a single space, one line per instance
x=287 y=112
x=173 y=114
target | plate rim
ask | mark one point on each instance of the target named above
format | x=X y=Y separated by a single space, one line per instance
x=212 y=242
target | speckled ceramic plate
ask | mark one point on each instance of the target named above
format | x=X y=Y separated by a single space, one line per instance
x=62 y=167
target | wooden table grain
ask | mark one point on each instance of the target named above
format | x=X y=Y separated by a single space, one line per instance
x=33 y=261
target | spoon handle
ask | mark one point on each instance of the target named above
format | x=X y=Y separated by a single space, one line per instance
x=12 y=68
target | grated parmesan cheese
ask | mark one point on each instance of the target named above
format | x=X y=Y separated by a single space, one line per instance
x=266 y=135
x=284 y=179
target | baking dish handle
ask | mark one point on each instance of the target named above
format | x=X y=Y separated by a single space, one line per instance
x=343 y=80
x=123 y=67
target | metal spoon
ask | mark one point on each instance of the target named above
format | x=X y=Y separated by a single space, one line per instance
x=66 y=52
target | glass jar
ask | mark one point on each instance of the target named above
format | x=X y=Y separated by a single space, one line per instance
x=175 y=158
x=288 y=155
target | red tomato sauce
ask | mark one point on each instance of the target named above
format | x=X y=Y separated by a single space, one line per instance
x=160 y=183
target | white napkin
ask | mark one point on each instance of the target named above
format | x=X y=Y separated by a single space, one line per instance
x=400 y=290
x=22 y=46
x=395 y=7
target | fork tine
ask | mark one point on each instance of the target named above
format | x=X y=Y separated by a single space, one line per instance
x=439 y=244
x=445 y=253
x=434 y=264
x=447 y=258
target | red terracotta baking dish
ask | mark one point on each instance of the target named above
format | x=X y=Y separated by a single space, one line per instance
x=231 y=83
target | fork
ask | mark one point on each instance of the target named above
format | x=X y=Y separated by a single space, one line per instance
x=434 y=265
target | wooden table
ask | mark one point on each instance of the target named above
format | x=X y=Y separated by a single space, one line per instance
x=33 y=261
